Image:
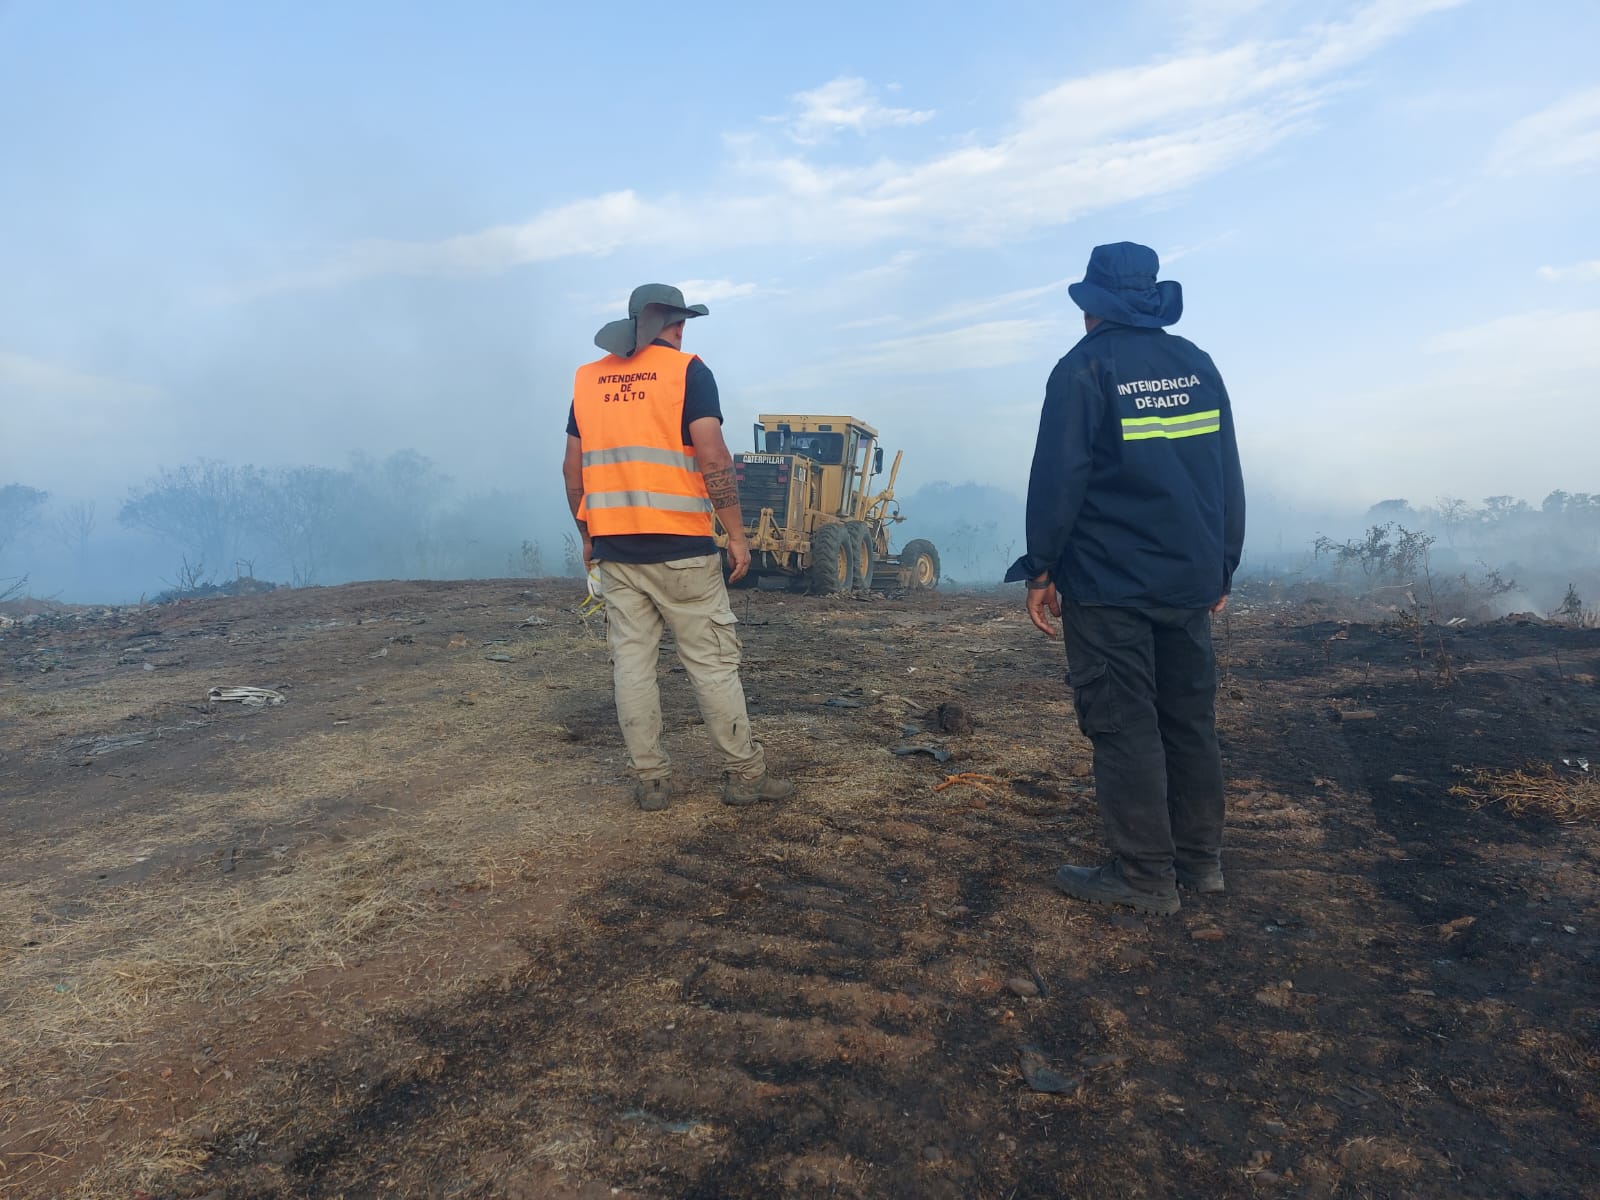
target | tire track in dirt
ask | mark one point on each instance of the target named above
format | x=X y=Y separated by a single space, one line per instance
x=797 y=1012
x=829 y=998
x=775 y=1015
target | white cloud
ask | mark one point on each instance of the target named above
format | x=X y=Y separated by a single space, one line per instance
x=1564 y=136
x=984 y=346
x=695 y=291
x=1087 y=145
x=1568 y=339
x=707 y=291
x=1177 y=253
x=1205 y=19
x=587 y=227
x=1584 y=272
x=844 y=103
x=893 y=269
x=957 y=314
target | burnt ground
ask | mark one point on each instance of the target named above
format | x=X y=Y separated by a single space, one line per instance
x=404 y=935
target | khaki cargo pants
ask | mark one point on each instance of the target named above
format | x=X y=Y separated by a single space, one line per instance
x=688 y=597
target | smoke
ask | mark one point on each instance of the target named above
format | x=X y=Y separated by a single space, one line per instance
x=1493 y=556
x=976 y=527
x=402 y=515
x=209 y=522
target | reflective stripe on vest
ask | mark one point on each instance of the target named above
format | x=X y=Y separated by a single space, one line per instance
x=638 y=476
x=648 y=454
x=661 y=500
x=1139 y=429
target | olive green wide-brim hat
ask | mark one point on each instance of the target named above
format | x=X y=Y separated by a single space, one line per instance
x=651 y=308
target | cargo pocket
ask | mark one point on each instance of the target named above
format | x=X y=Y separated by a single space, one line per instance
x=691 y=583
x=729 y=647
x=1092 y=694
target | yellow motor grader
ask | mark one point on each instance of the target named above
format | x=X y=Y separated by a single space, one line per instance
x=812 y=515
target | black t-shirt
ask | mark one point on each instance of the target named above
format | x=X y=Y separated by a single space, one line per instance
x=700 y=399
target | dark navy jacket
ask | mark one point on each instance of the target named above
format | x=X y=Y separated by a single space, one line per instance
x=1136 y=499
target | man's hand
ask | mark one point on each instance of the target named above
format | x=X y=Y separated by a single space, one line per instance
x=588 y=553
x=1220 y=605
x=722 y=486
x=738 y=557
x=1043 y=603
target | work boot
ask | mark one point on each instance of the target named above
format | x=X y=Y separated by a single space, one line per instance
x=1105 y=885
x=741 y=792
x=1204 y=880
x=652 y=795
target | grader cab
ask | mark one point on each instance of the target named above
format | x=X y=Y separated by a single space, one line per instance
x=814 y=514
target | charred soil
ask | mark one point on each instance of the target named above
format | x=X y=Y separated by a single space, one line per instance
x=402 y=933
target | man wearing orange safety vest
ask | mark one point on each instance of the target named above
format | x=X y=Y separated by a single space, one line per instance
x=645 y=469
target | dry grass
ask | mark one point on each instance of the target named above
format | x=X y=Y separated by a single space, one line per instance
x=458 y=784
x=1568 y=795
x=99 y=979
x=128 y=971
x=50 y=715
x=102 y=980
x=470 y=782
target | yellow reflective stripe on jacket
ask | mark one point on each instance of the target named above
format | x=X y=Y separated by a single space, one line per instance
x=1138 y=429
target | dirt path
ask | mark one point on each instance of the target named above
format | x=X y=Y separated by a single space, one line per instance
x=424 y=947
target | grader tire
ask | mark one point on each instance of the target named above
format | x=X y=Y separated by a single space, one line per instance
x=832 y=553
x=919 y=564
x=862 y=554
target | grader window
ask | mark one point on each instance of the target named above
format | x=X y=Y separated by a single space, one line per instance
x=826 y=448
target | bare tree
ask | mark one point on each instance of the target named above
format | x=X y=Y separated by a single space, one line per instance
x=1454 y=514
x=73 y=526
x=202 y=507
x=19 y=507
x=298 y=509
x=389 y=529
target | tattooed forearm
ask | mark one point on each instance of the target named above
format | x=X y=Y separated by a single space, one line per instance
x=721 y=486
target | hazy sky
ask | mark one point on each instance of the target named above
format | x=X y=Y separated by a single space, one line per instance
x=279 y=233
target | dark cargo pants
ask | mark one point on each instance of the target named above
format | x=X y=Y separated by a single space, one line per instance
x=1145 y=681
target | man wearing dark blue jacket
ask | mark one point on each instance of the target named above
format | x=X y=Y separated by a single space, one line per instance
x=1135 y=527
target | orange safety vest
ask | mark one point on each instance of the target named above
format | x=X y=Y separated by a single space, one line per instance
x=638 y=476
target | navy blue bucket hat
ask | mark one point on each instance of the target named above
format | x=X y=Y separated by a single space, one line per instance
x=1120 y=285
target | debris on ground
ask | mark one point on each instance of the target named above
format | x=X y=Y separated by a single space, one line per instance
x=1040 y=1075
x=640 y=1117
x=1537 y=790
x=1355 y=714
x=984 y=783
x=948 y=717
x=250 y=697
